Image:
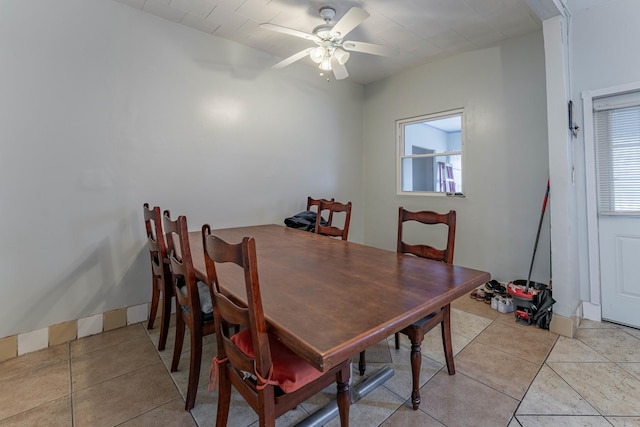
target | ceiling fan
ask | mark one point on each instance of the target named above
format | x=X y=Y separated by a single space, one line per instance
x=332 y=50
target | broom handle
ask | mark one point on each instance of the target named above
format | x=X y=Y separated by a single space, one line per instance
x=535 y=246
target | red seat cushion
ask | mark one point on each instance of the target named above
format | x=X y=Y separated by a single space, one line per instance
x=289 y=370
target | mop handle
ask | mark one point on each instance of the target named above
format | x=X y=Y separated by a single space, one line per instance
x=535 y=246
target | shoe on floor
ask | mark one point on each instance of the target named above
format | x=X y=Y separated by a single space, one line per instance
x=495 y=301
x=505 y=305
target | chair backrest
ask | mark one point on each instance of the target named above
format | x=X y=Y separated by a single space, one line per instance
x=428 y=217
x=227 y=312
x=179 y=254
x=331 y=230
x=155 y=238
x=316 y=202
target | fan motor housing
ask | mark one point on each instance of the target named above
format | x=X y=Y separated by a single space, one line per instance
x=327 y=13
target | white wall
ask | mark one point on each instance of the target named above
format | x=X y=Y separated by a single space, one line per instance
x=502 y=90
x=105 y=107
x=604 y=54
x=562 y=198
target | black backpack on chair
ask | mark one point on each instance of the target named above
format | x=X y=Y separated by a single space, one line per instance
x=305 y=220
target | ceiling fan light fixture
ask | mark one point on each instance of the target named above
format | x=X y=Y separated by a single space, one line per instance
x=325 y=64
x=317 y=54
x=331 y=51
x=341 y=56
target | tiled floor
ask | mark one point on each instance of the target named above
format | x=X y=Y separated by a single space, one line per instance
x=507 y=375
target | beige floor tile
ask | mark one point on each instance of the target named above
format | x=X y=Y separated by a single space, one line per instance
x=614 y=344
x=167 y=353
x=607 y=387
x=170 y=414
x=315 y=403
x=319 y=400
x=205 y=410
x=494 y=360
x=378 y=353
x=107 y=339
x=573 y=350
x=101 y=365
x=372 y=409
x=290 y=419
x=402 y=381
x=631 y=331
x=592 y=324
x=460 y=401
x=479 y=308
x=432 y=347
x=551 y=395
x=407 y=417
x=181 y=376
x=497 y=369
x=34 y=388
x=530 y=344
x=154 y=334
x=19 y=366
x=52 y=414
x=128 y=396
x=632 y=368
x=467 y=324
x=624 y=421
x=562 y=421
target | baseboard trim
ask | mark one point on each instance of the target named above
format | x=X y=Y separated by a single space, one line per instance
x=566 y=326
x=28 y=342
x=592 y=311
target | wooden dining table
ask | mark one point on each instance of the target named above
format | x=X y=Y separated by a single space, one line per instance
x=329 y=299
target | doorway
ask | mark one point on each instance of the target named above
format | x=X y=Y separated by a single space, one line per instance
x=612 y=153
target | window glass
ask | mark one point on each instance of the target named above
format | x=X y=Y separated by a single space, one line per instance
x=617 y=135
x=430 y=154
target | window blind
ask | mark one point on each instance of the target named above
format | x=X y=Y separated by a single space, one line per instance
x=617 y=134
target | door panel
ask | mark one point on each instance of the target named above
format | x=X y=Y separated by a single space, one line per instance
x=620 y=268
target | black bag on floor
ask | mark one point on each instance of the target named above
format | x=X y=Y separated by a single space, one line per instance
x=305 y=220
x=543 y=308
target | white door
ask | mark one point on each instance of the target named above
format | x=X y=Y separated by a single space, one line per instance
x=617 y=143
x=620 y=268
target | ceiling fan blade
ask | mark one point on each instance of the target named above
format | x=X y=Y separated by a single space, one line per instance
x=373 y=49
x=293 y=58
x=349 y=21
x=290 y=31
x=339 y=70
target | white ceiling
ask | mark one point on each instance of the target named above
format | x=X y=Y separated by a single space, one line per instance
x=419 y=30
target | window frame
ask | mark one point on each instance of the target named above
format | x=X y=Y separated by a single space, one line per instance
x=400 y=156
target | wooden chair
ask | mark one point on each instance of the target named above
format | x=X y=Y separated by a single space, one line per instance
x=417 y=331
x=193 y=300
x=160 y=272
x=316 y=202
x=271 y=378
x=331 y=230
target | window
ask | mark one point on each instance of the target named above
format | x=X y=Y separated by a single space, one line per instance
x=617 y=140
x=430 y=154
